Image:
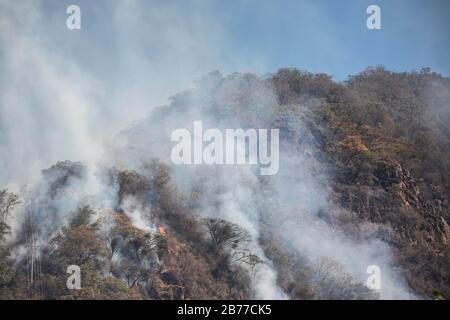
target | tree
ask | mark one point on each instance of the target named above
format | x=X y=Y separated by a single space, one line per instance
x=81 y=217
x=225 y=234
x=332 y=282
x=137 y=250
x=7 y=202
x=59 y=175
x=132 y=183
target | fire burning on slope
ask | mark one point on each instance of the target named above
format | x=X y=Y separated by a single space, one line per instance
x=162 y=231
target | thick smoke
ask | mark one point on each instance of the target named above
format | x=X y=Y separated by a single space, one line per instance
x=64 y=94
x=291 y=202
x=54 y=108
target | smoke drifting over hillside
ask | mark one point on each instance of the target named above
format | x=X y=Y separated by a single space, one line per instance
x=290 y=202
x=64 y=94
x=57 y=107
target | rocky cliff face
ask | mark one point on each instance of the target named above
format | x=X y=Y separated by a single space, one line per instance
x=416 y=228
x=394 y=171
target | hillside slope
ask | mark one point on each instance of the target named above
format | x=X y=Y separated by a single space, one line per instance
x=364 y=176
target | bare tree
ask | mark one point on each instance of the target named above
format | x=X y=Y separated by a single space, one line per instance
x=331 y=281
x=225 y=234
x=252 y=260
x=7 y=202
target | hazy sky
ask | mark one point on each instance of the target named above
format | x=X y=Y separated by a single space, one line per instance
x=65 y=93
x=263 y=35
x=332 y=37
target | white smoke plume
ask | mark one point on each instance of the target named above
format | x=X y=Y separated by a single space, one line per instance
x=54 y=107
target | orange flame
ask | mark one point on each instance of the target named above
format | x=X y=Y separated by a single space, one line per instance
x=162 y=232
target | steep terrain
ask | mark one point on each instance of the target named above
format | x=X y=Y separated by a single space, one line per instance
x=364 y=179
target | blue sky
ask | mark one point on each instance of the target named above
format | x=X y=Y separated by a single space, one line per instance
x=263 y=35
x=331 y=36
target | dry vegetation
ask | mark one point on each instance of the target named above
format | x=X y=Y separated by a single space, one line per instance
x=385 y=139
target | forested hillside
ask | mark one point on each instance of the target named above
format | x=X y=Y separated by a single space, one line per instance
x=364 y=179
